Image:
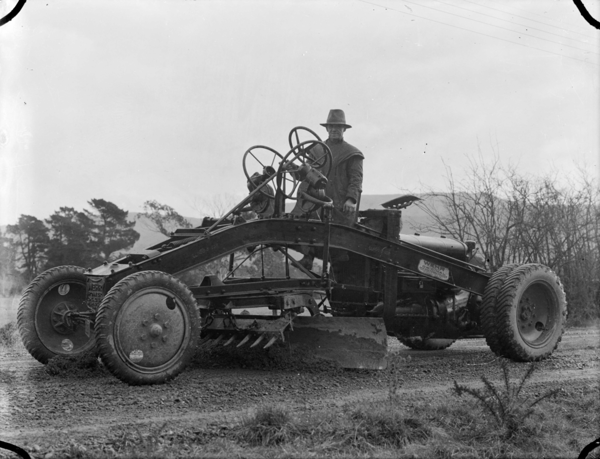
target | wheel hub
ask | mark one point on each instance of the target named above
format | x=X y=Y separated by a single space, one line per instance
x=534 y=316
x=61 y=318
x=159 y=327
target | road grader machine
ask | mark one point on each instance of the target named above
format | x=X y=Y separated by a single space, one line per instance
x=146 y=324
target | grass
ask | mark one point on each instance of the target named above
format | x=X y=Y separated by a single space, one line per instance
x=444 y=428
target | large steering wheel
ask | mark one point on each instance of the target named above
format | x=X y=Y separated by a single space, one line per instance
x=294 y=140
x=312 y=153
x=263 y=160
x=294 y=136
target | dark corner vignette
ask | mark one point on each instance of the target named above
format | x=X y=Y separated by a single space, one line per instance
x=586 y=15
x=11 y=15
x=15 y=449
x=588 y=449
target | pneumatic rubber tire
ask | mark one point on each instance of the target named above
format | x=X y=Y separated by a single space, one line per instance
x=489 y=308
x=431 y=344
x=531 y=313
x=147 y=328
x=46 y=303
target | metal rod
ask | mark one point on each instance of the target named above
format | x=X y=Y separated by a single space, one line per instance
x=231 y=257
x=262 y=261
x=287 y=263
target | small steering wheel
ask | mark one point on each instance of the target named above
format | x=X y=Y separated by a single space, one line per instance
x=263 y=160
x=312 y=153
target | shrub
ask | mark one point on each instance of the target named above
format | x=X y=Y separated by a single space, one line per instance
x=506 y=406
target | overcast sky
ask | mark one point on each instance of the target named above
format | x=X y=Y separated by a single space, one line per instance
x=132 y=100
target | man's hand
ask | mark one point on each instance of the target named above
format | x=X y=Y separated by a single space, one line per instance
x=349 y=206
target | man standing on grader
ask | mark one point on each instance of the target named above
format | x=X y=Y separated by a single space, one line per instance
x=345 y=179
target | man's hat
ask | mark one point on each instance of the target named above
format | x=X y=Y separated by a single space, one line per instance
x=337 y=117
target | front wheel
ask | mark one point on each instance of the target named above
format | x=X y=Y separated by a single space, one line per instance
x=531 y=313
x=147 y=328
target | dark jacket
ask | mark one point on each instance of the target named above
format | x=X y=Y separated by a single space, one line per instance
x=345 y=179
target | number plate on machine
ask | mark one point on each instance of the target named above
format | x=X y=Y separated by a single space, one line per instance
x=433 y=270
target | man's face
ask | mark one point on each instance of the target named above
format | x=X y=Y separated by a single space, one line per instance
x=335 y=132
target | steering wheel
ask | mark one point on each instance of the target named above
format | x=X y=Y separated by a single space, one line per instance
x=261 y=159
x=312 y=153
x=294 y=141
x=294 y=136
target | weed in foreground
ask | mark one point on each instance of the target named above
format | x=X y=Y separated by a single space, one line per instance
x=394 y=371
x=508 y=409
x=270 y=425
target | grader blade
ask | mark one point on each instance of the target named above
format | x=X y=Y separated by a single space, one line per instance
x=351 y=342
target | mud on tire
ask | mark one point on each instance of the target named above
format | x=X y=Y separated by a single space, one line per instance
x=147 y=328
x=44 y=310
x=531 y=313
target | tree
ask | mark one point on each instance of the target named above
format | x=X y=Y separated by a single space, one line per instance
x=164 y=218
x=31 y=236
x=9 y=276
x=70 y=239
x=479 y=209
x=111 y=232
x=515 y=219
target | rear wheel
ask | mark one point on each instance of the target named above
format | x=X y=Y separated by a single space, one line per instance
x=147 y=328
x=531 y=313
x=52 y=313
x=489 y=307
x=430 y=344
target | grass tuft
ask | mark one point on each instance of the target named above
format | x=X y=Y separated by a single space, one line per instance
x=394 y=371
x=270 y=425
x=384 y=426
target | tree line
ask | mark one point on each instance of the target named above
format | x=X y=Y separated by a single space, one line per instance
x=68 y=237
x=518 y=219
x=88 y=238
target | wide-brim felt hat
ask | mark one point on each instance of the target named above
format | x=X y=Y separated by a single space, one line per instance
x=336 y=117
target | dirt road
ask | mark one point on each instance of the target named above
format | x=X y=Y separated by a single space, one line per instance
x=46 y=411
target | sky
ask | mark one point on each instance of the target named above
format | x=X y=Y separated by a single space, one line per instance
x=137 y=100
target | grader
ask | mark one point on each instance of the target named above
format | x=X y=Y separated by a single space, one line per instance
x=146 y=324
